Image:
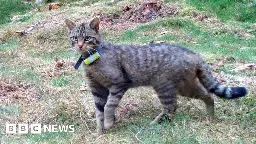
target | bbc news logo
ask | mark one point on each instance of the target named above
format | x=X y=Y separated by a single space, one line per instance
x=37 y=128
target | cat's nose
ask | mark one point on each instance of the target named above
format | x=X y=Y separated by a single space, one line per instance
x=80 y=46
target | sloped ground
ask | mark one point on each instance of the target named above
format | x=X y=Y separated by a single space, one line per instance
x=142 y=12
x=50 y=89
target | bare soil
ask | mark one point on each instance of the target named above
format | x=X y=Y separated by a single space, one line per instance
x=12 y=92
x=140 y=13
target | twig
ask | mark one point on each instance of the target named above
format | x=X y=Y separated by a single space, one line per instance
x=136 y=135
x=142 y=129
x=99 y=138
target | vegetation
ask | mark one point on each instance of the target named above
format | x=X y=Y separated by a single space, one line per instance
x=238 y=10
x=43 y=92
x=10 y=8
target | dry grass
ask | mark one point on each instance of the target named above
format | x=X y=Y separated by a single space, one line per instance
x=31 y=61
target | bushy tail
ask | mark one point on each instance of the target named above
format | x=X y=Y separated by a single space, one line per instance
x=212 y=85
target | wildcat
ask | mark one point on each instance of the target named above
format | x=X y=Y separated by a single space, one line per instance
x=169 y=69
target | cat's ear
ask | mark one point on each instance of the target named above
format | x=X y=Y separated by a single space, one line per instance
x=95 y=24
x=69 y=24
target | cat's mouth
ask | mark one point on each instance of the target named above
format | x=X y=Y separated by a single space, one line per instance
x=85 y=49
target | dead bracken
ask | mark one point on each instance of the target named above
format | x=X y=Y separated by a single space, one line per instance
x=58 y=68
x=141 y=13
x=10 y=92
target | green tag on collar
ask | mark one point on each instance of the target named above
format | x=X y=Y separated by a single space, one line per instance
x=92 y=58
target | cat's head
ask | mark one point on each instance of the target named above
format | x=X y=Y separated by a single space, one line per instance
x=84 y=36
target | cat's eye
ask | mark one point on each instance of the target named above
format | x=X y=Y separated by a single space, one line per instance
x=74 y=38
x=87 y=38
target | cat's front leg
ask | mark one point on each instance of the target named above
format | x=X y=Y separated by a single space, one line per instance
x=116 y=94
x=100 y=96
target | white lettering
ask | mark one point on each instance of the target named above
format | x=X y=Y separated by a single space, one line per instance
x=63 y=128
x=47 y=128
x=36 y=128
x=23 y=128
x=54 y=128
x=71 y=128
x=10 y=128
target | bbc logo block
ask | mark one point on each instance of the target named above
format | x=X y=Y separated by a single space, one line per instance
x=24 y=128
x=11 y=128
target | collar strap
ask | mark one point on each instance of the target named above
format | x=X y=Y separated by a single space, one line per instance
x=82 y=58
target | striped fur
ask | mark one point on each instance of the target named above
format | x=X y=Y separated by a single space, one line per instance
x=212 y=85
x=169 y=69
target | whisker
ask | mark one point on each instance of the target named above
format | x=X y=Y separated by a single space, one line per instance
x=91 y=48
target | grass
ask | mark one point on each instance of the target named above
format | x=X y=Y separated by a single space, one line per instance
x=167 y=132
x=225 y=10
x=61 y=138
x=10 y=8
x=61 y=81
x=7 y=45
x=31 y=61
x=239 y=10
x=219 y=44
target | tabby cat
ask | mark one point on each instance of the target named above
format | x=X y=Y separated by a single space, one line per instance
x=169 y=69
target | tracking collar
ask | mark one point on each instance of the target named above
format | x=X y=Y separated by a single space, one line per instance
x=90 y=59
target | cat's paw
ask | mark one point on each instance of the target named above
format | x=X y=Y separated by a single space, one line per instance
x=108 y=124
x=97 y=134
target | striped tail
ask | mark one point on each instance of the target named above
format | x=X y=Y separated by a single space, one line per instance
x=212 y=85
x=228 y=92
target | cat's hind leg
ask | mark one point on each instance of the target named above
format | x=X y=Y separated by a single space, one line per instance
x=209 y=103
x=199 y=92
x=194 y=89
x=167 y=94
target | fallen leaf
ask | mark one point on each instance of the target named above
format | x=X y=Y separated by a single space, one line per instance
x=245 y=66
x=54 y=6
